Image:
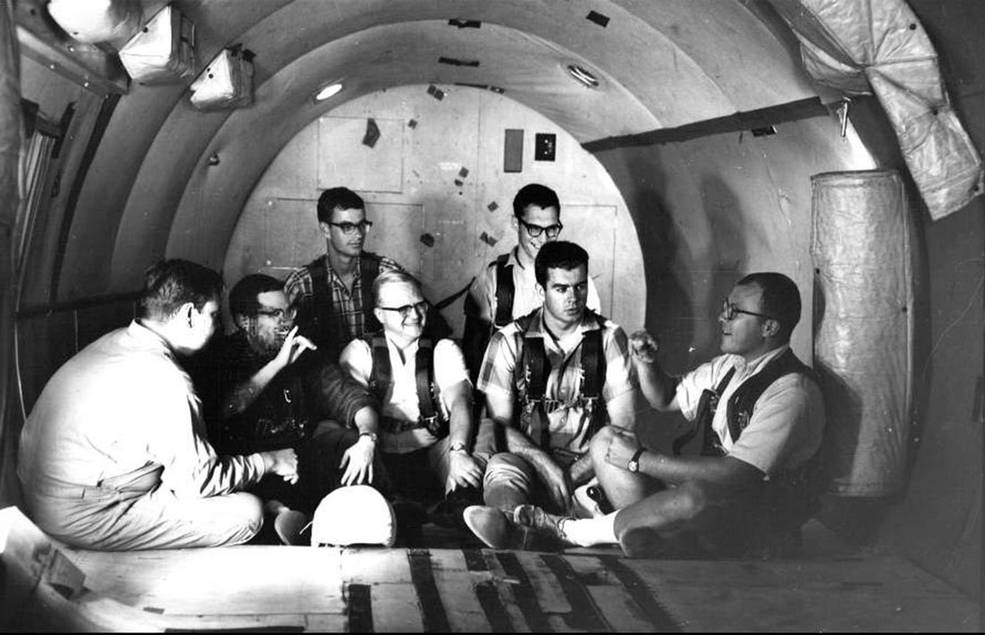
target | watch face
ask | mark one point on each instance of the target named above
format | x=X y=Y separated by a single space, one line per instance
x=633 y=466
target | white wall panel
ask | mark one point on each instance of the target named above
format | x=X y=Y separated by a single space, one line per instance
x=431 y=177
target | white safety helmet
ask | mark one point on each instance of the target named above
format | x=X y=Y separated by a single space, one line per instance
x=354 y=515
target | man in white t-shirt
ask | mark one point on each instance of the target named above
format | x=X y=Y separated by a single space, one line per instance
x=427 y=431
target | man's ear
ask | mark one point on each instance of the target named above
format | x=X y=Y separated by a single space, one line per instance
x=326 y=229
x=187 y=312
x=242 y=322
x=541 y=292
x=771 y=328
x=378 y=312
x=514 y=223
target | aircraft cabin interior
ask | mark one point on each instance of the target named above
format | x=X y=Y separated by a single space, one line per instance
x=690 y=142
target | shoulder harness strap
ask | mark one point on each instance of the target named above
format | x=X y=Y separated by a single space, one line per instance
x=324 y=323
x=427 y=390
x=382 y=374
x=504 y=291
x=743 y=400
x=369 y=269
x=593 y=376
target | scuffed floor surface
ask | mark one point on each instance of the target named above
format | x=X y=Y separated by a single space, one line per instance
x=481 y=590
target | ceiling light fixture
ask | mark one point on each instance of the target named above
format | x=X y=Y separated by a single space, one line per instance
x=582 y=76
x=328 y=91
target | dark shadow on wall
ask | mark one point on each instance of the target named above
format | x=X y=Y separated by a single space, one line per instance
x=724 y=264
x=668 y=305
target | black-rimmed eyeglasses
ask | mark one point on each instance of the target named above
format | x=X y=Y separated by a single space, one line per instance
x=351 y=228
x=729 y=310
x=408 y=310
x=278 y=314
x=536 y=230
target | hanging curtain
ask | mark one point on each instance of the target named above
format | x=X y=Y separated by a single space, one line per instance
x=879 y=46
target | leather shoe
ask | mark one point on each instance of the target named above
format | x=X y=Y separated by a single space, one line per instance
x=490 y=525
x=499 y=530
x=542 y=522
x=290 y=525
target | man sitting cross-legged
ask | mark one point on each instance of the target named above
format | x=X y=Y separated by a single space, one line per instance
x=269 y=386
x=114 y=454
x=757 y=479
x=426 y=421
x=552 y=380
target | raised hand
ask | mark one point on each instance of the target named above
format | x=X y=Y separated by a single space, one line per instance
x=292 y=348
x=643 y=347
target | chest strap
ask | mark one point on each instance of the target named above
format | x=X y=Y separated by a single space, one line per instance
x=707 y=406
x=533 y=363
x=381 y=378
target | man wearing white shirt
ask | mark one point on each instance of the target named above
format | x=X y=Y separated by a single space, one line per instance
x=114 y=454
x=506 y=288
x=757 y=478
x=427 y=430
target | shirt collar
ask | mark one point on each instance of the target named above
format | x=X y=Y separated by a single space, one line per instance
x=514 y=259
x=149 y=338
x=757 y=364
x=409 y=353
x=536 y=326
x=332 y=273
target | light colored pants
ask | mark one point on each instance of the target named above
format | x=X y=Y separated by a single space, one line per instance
x=108 y=519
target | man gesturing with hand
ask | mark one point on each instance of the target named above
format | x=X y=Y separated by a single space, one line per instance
x=271 y=387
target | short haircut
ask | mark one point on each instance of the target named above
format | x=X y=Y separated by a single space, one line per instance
x=559 y=254
x=535 y=194
x=169 y=284
x=337 y=198
x=391 y=276
x=780 y=298
x=243 y=296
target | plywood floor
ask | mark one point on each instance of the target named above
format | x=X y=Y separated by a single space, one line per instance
x=481 y=590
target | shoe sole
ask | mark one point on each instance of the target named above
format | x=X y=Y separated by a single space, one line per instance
x=289 y=526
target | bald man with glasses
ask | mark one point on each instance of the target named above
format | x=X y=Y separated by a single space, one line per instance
x=757 y=477
x=506 y=288
x=428 y=438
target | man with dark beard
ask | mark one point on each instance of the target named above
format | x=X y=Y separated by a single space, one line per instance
x=270 y=386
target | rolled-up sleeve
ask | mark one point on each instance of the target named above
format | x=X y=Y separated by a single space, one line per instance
x=496 y=373
x=336 y=395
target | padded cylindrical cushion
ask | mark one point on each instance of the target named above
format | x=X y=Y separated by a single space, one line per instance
x=863 y=349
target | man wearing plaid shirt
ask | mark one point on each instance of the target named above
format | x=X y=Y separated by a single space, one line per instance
x=551 y=379
x=333 y=293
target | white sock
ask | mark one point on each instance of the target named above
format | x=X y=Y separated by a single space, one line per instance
x=588 y=532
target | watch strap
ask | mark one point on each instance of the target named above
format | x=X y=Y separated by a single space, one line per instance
x=636 y=458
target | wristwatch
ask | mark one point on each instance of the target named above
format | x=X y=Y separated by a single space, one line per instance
x=634 y=463
x=458 y=446
x=372 y=436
